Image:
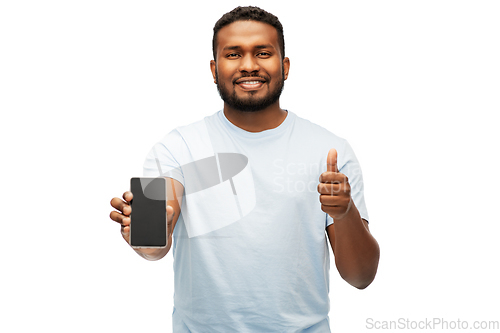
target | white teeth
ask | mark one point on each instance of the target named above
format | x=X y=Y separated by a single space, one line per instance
x=250 y=82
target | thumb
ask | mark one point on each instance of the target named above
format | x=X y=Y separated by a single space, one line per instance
x=331 y=161
x=170 y=212
x=170 y=219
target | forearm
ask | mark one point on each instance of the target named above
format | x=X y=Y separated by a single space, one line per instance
x=356 y=250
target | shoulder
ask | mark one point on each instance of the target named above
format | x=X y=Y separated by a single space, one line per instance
x=308 y=127
x=180 y=146
x=189 y=142
x=318 y=135
x=194 y=131
x=319 y=140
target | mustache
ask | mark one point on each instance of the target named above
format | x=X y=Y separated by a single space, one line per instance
x=267 y=79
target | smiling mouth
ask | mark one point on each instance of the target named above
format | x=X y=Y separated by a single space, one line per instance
x=250 y=83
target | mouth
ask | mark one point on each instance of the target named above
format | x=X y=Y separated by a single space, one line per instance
x=250 y=83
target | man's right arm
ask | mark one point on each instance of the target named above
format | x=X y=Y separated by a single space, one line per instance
x=175 y=191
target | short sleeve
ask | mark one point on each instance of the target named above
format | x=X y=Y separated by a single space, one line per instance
x=162 y=159
x=349 y=166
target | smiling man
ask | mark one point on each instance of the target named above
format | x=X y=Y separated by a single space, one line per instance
x=250 y=249
x=246 y=84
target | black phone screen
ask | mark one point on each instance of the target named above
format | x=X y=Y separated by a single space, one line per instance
x=148 y=224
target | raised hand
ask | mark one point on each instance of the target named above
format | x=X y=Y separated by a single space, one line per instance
x=334 y=189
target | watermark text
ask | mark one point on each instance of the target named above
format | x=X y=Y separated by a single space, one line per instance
x=431 y=324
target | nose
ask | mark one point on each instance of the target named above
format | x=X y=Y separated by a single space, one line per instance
x=249 y=64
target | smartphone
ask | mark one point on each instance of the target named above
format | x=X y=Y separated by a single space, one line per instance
x=148 y=220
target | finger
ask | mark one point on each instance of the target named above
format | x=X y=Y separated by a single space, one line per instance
x=170 y=213
x=328 y=201
x=126 y=233
x=330 y=189
x=333 y=201
x=333 y=178
x=126 y=209
x=170 y=216
x=128 y=196
x=126 y=221
x=170 y=219
x=118 y=204
x=117 y=217
x=331 y=161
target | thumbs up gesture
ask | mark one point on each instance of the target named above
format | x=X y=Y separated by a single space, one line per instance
x=334 y=189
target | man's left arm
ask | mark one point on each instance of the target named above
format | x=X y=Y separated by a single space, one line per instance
x=356 y=250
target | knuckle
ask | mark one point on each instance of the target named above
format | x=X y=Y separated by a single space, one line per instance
x=325 y=176
x=347 y=188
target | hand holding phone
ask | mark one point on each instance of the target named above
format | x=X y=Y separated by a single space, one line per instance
x=124 y=214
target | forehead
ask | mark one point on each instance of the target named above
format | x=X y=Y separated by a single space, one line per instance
x=247 y=34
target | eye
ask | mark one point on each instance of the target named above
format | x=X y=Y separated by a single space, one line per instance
x=264 y=54
x=232 y=55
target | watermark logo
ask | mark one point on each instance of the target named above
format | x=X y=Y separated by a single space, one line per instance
x=430 y=324
x=293 y=177
x=218 y=190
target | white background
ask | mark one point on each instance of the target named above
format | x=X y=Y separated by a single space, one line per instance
x=87 y=87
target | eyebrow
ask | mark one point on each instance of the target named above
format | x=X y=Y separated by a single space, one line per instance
x=237 y=47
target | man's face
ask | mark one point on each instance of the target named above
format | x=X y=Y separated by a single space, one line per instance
x=249 y=71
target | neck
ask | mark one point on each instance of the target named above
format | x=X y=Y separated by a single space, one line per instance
x=256 y=121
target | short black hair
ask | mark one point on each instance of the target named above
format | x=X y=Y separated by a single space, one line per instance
x=249 y=13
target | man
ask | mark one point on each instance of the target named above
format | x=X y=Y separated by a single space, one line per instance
x=250 y=251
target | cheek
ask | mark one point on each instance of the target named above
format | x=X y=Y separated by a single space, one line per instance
x=276 y=72
x=226 y=70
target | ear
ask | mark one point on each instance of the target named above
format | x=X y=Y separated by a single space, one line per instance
x=286 y=67
x=213 y=68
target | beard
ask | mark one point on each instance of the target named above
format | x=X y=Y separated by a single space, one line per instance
x=250 y=104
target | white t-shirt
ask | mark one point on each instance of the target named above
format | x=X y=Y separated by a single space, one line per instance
x=250 y=249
